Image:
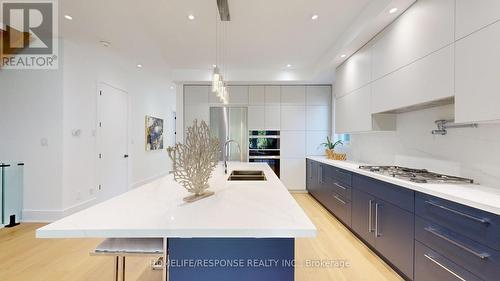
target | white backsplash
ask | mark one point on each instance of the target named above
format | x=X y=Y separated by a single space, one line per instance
x=471 y=153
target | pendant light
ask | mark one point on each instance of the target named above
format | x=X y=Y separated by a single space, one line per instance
x=219 y=86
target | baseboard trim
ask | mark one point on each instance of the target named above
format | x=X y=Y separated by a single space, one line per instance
x=46 y=216
x=150 y=179
x=298 y=191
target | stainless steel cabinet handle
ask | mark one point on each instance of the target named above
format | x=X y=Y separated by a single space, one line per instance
x=320 y=174
x=340 y=186
x=473 y=218
x=340 y=200
x=465 y=248
x=377 y=233
x=370 y=223
x=444 y=267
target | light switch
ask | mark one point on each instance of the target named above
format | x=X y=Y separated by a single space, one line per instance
x=44 y=142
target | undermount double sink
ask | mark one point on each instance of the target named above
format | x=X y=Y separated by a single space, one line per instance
x=240 y=175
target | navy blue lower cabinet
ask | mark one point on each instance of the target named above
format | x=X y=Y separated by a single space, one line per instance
x=362 y=215
x=431 y=266
x=229 y=259
x=385 y=227
x=394 y=235
x=477 y=225
x=340 y=207
x=476 y=258
x=312 y=177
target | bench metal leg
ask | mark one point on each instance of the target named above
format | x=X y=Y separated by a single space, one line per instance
x=119 y=268
x=165 y=259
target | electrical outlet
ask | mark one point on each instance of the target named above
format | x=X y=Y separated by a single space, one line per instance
x=78 y=196
x=91 y=191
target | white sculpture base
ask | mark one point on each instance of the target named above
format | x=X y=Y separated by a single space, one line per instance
x=196 y=197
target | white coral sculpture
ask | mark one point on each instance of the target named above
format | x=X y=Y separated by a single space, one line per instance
x=194 y=161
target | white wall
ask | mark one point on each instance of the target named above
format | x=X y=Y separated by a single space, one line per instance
x=60 y=178
x=31 y=110
x=467 y=152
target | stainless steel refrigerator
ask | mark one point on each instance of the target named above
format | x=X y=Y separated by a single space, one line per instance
x=230 y=123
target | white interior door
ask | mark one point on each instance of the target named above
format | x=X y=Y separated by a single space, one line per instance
x=112 y=142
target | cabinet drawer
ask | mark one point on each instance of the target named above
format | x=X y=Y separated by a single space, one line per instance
x=341 y=177
x=340 y=189
x=339 y=206
x=475 y=224
x=393 y=194
x=480 y=260
x=431 y=266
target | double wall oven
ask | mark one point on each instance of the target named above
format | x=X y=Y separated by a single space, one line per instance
x=264 y=147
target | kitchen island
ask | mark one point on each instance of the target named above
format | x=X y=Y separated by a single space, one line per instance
x=245 y=231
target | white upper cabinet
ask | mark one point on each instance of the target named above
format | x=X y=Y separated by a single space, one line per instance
x=425 y=27
x=353 y=114
x=196 y=104
x=426 y=80
x=256 y=117
x=293 y=118
x=354 y=73
x=238 y=94
x=293 y=144
x=196 y=94
x=273 y=94
x=319 y=95
x=293 y=95
x=473 y=15
x=256 y=95
x=477 y=83
x=273 y=117
x=318 y=118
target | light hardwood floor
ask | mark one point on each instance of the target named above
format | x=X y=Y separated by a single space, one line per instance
x=24 y=258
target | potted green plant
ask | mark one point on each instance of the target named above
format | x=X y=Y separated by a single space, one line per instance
x=330 y=147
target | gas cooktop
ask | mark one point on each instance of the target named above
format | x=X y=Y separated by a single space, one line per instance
x=415 y=175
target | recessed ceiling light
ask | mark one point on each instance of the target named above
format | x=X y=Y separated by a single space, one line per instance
x=288 y=65
x=171 y=87
x=68 y=17
x=314 y=17
x=139 y=66
x=343 y=56
x=393 y=10
x=191 y=17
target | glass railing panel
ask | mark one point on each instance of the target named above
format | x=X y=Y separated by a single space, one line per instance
x=12 y=193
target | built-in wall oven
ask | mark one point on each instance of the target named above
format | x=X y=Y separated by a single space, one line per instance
x=264 y=147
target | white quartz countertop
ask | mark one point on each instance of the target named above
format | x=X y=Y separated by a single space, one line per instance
x=238 y=209
x=472 y=195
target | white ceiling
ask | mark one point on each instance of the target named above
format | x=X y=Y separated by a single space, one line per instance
x=263 y=35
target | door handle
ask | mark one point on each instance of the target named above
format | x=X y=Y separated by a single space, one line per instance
x=370 y=222
x=320 y=174
x=459 y=245
x=377 y=233
x=340 y=200
x=125 y=156
x=473 y=218
x=340 y=186
x=444 y=267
